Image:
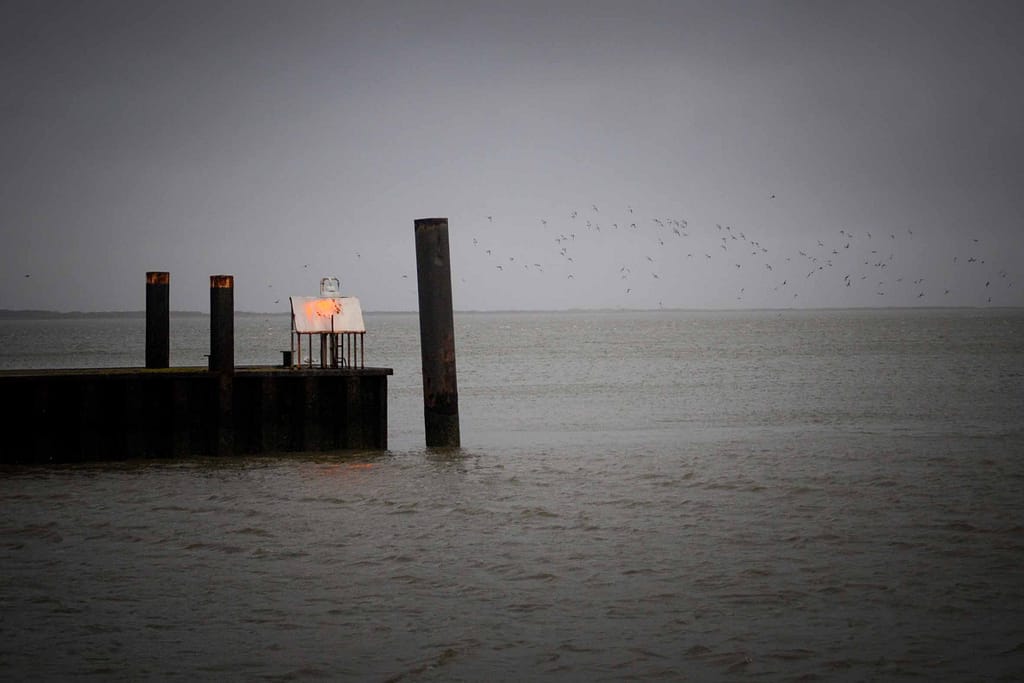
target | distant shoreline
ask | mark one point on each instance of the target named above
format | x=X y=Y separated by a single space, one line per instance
x=40 y=314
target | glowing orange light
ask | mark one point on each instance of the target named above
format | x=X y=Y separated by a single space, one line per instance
x=323 y=308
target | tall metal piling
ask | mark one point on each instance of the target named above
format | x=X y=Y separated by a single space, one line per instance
x=437 y=333
x=222 y=323
x=158 y=319
x=222 y=357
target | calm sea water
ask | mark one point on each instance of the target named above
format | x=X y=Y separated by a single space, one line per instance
x=826 y=495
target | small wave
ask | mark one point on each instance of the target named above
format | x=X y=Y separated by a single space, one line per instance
x=791 y=655
x=218 y=547
x=732 y=662
x=642 y=571
x=539 y=576
x=45 y=532
x=837 y=664
x=784 y=597
x=716 y=486
x=572 y=647
x=756 y=571
x=537 y=512
x=526 y=607
x=740 y=665
x=866 y=586
x=405 y=578
x=435 y=661
x=698 y=651
x=801 y=490
x=400 y=558
x=410 y=508
x=649 y=654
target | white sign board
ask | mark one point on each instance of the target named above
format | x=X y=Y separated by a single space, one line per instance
x=313 y=314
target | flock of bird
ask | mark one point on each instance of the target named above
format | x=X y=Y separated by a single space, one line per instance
x=642 y=253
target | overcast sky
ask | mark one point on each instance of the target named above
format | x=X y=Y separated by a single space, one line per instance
x=754 y=145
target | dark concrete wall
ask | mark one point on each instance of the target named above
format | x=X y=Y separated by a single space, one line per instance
x=112 y=415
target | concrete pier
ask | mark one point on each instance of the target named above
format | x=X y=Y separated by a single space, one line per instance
x=115 y=414
x=159 y=411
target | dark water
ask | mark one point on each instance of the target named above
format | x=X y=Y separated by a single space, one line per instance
x=666 y=496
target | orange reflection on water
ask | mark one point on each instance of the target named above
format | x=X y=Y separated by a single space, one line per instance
x=345 y=469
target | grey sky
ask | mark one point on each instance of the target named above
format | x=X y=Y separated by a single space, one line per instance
x=283 y=141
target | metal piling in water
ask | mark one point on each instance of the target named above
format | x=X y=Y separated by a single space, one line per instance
x=437 y=333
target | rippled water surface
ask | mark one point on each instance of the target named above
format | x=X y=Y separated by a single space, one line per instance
x=666 y=496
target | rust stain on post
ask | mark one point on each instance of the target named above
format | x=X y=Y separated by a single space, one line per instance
x=437 y=333
x=158 y=278
x=222 y=281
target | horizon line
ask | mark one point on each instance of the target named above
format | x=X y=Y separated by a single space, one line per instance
x=11 y=313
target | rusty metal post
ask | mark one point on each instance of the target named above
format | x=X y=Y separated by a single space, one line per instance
x=222 y=323
x=158 y=319
x=437 y=333
x=222 y=358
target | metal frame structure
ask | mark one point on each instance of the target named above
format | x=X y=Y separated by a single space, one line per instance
x=338 y=322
